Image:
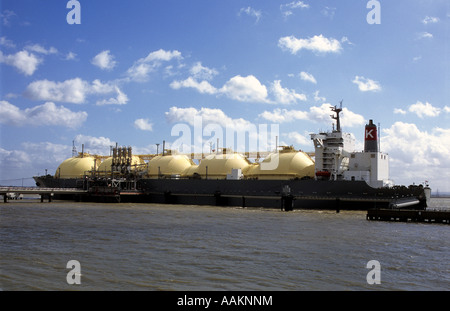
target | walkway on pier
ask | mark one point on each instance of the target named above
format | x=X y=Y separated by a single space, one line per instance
x=9 y=192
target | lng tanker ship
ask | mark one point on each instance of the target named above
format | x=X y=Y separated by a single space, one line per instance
x=338 y=178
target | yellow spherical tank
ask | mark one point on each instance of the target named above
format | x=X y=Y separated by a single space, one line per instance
x=105 y=166
x=191 y=172
x=286 y=164
x=217 y=166
x=75 y=167
x=169 y=165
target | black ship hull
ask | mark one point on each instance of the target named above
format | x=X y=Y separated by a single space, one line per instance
x=280 y=194
x=285 y=194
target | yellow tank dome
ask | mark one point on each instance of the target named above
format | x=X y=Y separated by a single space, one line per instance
x=191 y=171
x=75 y=167
x=105 y=166
x=291 y=164
x=168 y=165
x=219 y=165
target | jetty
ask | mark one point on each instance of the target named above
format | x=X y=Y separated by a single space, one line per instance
x=45 y=193
x=94 y=194
x=405 y=215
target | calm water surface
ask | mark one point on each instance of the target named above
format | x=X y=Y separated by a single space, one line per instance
x=155 y=247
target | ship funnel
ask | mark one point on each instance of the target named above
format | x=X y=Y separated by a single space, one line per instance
x=370 y=138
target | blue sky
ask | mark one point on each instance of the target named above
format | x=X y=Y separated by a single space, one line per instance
x=132 y=70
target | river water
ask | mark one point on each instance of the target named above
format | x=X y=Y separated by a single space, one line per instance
x=202 y=248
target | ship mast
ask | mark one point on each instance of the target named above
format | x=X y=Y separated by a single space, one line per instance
x=337 y=118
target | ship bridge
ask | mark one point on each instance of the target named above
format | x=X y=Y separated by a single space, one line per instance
x=332 y=150
x=336 y=158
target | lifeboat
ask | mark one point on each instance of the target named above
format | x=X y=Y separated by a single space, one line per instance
x=323 y=174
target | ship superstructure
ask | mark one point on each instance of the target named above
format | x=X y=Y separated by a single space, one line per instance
x=332 y=151
x=336 y=158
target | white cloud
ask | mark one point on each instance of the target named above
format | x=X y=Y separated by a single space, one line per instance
x=283 y=115
x=346 y=40
x=142 y=68
x=296 y=5
x=143 y=124
x=430 y=20
x=207 y=115
x=7 y=43
x=318 y=98
x=94 y=145
x=251 y=12
x=13 y=160
x=287 y=9
x=307 y=77
x=10 y=114
x=320 y=114
x=11 y=95
x=366 y=85
x=202 y=87
x=41 y=115
x=70 y=91
x=242 y=89
x=40 y=49
x=198 y=72
x=50 y=114
x=203 y=73
x=399 y=111
x=298 y=138
x=71 y=56
x=24 y=61
x=245 y=89
x=424 y=110
x=139 y=72
x=104 y=60
x=98 y=87
x=319 y=44
x=328 y=12
x=6 y=17
x=350 y=119
x=406 y=142
x=120 y=99
x=424 y=35
x=162 y=55
x=40 y=155
x=216 y=124
x=74 y=91
x=417 y=155
x=284 y=95
x=42 y=151
x=31 y=160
